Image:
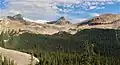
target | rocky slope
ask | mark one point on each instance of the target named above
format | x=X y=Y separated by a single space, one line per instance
x=19 y=24
x=105 y=21
x=60 y=21
x=19 y=58
x=102 y=21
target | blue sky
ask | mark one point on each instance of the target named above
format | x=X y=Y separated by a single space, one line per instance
x=3 y=4
x=53 y=9
x=86 y=11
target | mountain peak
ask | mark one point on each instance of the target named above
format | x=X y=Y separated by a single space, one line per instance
x=63 y=18
x=61 y=21
x=16 y=17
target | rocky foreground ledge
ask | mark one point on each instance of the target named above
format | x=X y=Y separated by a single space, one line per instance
x=19 y=58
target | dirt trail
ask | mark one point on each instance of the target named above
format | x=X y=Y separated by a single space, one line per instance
x=20 y=58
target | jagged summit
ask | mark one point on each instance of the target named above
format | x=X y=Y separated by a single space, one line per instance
x=19 y=23
x=61 y=18
x=16 y=17
x=60 y=21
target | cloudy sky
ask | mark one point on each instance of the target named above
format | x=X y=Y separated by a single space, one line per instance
x=53 y=9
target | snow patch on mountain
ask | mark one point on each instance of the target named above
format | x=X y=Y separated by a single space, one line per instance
x=37 y=21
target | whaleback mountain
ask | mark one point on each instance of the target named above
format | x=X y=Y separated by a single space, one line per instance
x=103 y=19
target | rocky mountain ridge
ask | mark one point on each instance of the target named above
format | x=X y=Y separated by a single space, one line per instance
x=21 y=25
x=105 y=21
x=60 y=21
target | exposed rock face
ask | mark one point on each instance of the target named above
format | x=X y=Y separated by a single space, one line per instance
x=116 y=24
x=19 y=58
x=0 y=20
x=10 y=17
x=52 y=22
x=18 y=18
x=102 y=19
x=60 y=21
x=32 y=27
x=62 y=33
x=105 y=19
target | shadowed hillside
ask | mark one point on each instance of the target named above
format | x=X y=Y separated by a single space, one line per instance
x=105 y=41
x=93 y=43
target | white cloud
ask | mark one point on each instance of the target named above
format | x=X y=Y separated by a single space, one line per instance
x=94 y=14
x=100 y=7
x=14 y=12
x=92 y=7
x=46 y=9
x=78 y=20
x=29 y=8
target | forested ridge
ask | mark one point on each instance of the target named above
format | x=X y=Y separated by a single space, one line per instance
x=86 y=47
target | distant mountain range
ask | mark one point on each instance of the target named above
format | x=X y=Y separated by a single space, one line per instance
x=21 y=24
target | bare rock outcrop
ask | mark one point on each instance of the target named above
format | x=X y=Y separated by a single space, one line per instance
x=19 y=58
x=60 y=21
x=103 y=19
